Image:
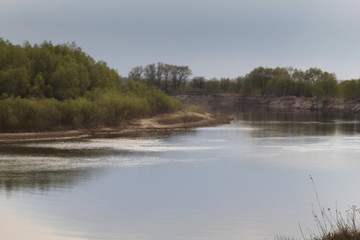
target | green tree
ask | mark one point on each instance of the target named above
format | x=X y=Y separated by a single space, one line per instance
x=313 y=74
x=257 y=79
x=326 y=85
x=350 y=89
x=84 y=81
x=65 y=81
x=303 y=89
x=101 y=76
x=15 y=82
x=37 y=86
x=225 y=85
x=281 y=85
x=298 y=75
x=197 y=83
x=213 y=85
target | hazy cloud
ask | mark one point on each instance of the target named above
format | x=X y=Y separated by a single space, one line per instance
x=214 y=38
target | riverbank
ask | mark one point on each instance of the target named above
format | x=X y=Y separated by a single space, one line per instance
x=288 y=103
x=161 y=123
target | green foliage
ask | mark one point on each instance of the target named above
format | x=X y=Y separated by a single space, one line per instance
x=46 y=87
x=225 y=85
x=213 y=85
x=14 y=81
x=186 y=118
x=197 y=84
x=101 y=76
x=37 y=86
x=262 y=81
x=303 y=89
x=193 y=108
x=326 y=85
x=279 y=82
x=29 y=114
x=257 y=80
x=350 y=89
x=102 y=107
x=312 y=75
x=281 y=86
x=61 y=71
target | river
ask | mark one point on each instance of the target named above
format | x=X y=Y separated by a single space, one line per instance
x=246 y=180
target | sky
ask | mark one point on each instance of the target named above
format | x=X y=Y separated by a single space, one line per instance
x=215 y=38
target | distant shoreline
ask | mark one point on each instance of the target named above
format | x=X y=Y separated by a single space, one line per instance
x=286 y=103
x=160 y=123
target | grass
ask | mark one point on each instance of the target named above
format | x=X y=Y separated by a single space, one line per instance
x=186 y=118
x=193 y=108
x=332 y=225
x=98 y=108
x=336 y=225
x=191 y=114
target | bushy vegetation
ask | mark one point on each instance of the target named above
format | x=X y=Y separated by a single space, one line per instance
x=260 y=81
x=185 y=118
x=106 y=107
x=46 y=86
x=277 y=82
x=332 y=225
x=335 y=225
x=51 y=71
x=193 y=108
x=338 y=226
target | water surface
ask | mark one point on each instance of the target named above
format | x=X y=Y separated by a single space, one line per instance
x=245 y=180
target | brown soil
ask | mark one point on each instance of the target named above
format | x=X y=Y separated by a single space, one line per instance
x=160 y=123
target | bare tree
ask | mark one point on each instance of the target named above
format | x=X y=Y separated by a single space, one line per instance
x=136 y=73
x=150 y=74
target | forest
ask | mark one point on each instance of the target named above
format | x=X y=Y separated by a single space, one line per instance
x=43 y=87
x=260 y=81
x=47 y=86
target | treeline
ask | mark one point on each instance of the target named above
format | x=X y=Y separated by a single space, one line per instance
x=46 y=86
x=170 y=79
x=51 y=71
x=260 y=81
x=54 y=86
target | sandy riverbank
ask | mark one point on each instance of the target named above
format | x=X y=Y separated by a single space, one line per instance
x=160 y=123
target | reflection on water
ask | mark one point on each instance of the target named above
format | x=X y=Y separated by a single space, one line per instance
x=45 y=165
x=298 y=123
x=245 y=180
x=43 y=180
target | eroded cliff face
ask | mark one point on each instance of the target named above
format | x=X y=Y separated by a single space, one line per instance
x=289 y=103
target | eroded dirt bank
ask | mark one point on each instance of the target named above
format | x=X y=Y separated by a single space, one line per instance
x=275 y=103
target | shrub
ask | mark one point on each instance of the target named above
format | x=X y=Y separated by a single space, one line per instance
x=103 y=107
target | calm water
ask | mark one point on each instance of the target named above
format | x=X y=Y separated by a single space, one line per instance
x=246 y=180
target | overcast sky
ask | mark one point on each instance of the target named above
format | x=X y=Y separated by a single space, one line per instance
x=215 y=38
